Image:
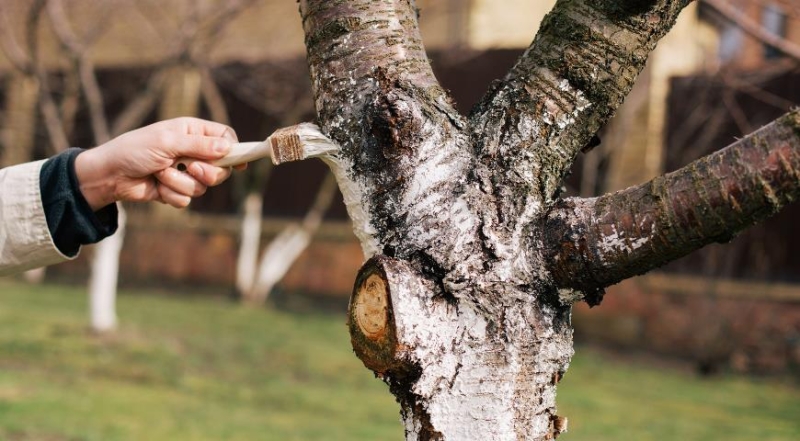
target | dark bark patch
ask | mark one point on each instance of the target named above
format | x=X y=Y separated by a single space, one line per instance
x=333 y=30
x=620 y=10
x=433 y=271
x=427 y=432
x=594 y=142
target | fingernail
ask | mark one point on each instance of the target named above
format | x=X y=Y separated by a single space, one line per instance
x=230 y=134
x=222 y=146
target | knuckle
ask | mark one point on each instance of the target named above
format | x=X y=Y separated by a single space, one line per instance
x=185 y=120
x=217 y=178
x=166 y=139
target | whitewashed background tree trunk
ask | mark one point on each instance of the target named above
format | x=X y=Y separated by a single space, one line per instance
x=463 y=307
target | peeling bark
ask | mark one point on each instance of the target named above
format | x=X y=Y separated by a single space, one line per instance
x=459 y=307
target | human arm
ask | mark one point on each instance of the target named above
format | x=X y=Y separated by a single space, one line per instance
x=48 y=209
x=137 y=166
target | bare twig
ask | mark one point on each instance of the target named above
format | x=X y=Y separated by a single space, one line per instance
x=86 y=71
x=136 y=111
x=213 y=97
x=70 y=101
x=52 y=119
x=735 y=110
x=741 y=20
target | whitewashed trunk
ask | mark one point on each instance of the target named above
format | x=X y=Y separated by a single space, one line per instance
x=35 y=276
x=283 y=251
x=464 y=305
x=103 y=279
x=277 y=259
x=247 y=260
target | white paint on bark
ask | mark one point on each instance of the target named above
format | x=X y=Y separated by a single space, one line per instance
x=616 y=243
x=431 y=213
x=249 y=242
x=355 y=200
x=278 y=257
x=473 y=383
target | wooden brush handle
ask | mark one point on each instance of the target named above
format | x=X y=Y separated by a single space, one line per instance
x=241 y=153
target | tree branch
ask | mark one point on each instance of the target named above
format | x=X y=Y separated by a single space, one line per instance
x=181 y=46
x=136 y=111
x=11 y=47
x=594 y=243
x=213 y=97
x=388 y=41
x=376 y=96
x=78 y=50
x=578 y=70
x=741 y=20
x=49 y=109
x=282 y=252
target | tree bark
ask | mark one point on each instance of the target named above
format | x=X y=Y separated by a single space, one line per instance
x=463 y=307
x=596 y=242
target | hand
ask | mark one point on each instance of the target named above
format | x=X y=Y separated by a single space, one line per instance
x=137 y=166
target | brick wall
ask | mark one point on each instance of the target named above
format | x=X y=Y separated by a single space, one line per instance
x=201 y=251
x=718 y=324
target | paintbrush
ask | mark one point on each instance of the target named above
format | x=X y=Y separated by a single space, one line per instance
x=301 y=141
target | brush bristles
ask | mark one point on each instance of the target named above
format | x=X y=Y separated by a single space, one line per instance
x=286 y=145
x=299 y=142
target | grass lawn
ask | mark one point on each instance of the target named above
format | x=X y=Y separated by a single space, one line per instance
x=183 y=368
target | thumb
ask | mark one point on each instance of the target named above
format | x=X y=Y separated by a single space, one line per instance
x=203 y=147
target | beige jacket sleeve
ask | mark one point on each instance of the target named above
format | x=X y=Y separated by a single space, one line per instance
x=25 y=240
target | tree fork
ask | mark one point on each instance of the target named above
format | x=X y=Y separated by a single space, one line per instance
x=462 y=321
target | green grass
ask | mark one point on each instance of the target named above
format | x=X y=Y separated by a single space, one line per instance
x=189 y=368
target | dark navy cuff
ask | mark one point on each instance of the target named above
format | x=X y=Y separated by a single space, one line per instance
x=71 y=221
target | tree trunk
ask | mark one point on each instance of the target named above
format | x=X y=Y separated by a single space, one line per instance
x=255 y=280
x=284 y=249
x=20 y=119
x=247 y=261
x=103 y=279
x=463 y=307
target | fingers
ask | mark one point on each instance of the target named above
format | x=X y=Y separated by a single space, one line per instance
x=196 y=126
x=195 y=141
x=208 y=174
x=180 y=183
x=198 y=138
x=171 y=197
x=201 y=147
